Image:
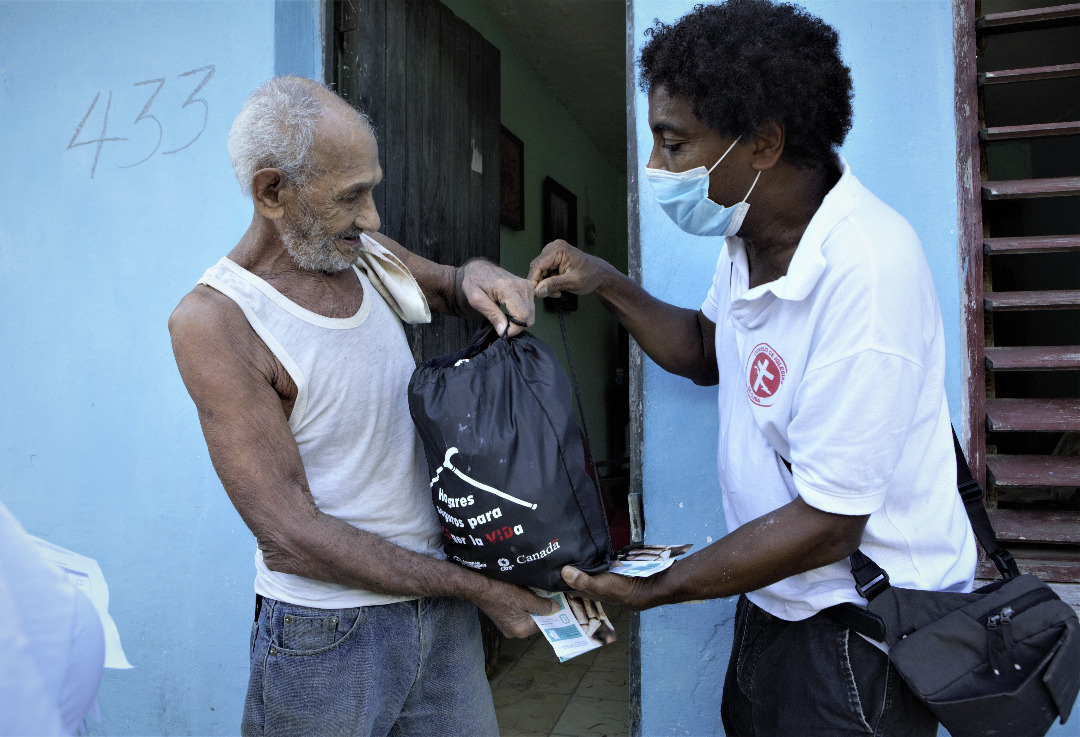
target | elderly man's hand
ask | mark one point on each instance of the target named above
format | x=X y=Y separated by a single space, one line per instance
x=509 y=607
x=486 y=286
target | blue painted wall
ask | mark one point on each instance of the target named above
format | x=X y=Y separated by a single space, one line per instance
x=100 y=448
x=902 y=147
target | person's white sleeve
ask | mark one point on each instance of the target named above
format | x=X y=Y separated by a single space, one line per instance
x=52 y=648
x=27 y=705
x=711 y=306
x=850 y=421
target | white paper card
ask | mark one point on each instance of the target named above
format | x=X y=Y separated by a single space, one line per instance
x=648 y=560
x=579 y=626
x=85 y=574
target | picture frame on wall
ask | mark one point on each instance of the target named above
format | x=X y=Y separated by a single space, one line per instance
x=559 y=221
x=511 y=181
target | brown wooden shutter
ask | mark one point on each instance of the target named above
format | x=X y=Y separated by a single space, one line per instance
x=1023 y=319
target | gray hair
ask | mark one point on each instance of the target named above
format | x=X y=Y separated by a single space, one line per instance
x=276 y=128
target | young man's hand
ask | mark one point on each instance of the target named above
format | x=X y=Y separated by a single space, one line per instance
x=561 y=267
x=610 y=588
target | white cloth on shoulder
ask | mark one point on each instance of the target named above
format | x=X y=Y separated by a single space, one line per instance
x=394 y=282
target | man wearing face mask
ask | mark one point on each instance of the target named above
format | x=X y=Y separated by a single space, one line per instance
x=823 y=333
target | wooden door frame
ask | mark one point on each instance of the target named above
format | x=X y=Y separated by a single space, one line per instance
x=969 y=175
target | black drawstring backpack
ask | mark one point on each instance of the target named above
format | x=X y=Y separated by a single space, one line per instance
x=507 y=463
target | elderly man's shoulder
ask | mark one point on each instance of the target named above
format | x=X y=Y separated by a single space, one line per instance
x=208 y=317
x=203 y=306
x=217 y=351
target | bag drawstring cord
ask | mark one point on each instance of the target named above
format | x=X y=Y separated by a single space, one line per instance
x=580 y=404
x=577 y=396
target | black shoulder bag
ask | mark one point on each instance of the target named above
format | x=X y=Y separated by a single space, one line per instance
x=1002 y=660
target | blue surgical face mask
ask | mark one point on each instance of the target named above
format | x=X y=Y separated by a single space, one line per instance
x=684 y=196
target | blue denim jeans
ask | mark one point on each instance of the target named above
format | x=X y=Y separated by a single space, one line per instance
x=813 y=678
x=413 y=668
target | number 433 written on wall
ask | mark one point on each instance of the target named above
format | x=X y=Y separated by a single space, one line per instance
x=202 y=74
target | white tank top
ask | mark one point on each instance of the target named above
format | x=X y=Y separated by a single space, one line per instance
x=362 y=456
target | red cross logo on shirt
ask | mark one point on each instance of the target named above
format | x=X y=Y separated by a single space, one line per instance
x=765 y=372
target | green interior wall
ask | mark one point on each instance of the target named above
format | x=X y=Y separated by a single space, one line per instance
x=555 y=146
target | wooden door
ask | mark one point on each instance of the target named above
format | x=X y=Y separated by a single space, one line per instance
x=430 y=84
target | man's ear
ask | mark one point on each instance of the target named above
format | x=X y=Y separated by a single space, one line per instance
x=270 y=189
x=768 y=145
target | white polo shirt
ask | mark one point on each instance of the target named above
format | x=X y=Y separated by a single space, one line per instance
x=839 y=367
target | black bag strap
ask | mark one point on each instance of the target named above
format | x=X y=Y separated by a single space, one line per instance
x=580 y=405
x=871 y=579
x=577 y=394
x=971 y=491
x=581 y=413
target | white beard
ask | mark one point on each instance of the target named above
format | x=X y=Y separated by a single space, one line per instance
x=311 y=247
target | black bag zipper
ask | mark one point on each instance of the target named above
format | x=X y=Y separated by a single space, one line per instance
x=1002 y=621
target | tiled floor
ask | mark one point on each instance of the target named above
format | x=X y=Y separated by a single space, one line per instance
x=587 y=696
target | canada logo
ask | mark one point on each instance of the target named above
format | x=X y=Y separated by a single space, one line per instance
x=765 y=372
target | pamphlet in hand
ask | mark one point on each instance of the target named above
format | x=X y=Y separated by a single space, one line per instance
x=648 y=559
x=579 y=626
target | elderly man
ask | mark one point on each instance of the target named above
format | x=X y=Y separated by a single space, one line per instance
x=292 y=348
x=823 y=331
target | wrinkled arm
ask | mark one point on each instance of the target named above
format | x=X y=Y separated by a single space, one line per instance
x=790 y=540
x=231 y=377
x=477 y=285
x=679 y=340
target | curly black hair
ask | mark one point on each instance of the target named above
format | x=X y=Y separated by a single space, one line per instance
x=749 y=62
